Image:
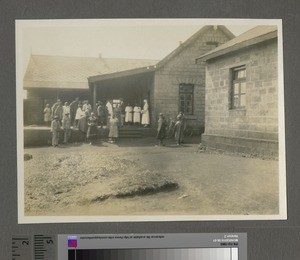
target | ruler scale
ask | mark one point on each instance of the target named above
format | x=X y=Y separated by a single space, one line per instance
x=44 y=247
x=21 y=247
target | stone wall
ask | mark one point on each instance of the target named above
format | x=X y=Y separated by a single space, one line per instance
x=182 y=69
x=259 y=119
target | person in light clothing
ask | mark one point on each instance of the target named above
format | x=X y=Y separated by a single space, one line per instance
x=87 y=108
x=73 y=108
x=113 y=129
x=66 y=108
x=79 y=114
x=128 y=114
x=109 y=109
x=137 y=115
x=145 y=114
x=66 y=126
x=47 y=115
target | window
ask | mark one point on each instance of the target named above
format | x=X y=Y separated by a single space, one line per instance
x=238 y=88
x=186 y=98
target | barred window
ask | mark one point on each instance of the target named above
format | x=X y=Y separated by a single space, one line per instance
x=186 y=99
x=238 y=88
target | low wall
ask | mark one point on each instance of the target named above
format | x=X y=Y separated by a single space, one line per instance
x=251 y=146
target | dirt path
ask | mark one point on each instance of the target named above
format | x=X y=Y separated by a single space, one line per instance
x=208 y=183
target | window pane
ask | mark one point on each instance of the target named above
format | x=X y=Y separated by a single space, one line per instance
x=243 y=100
x=241 y=74
x=236 y=88
x=235 y=74
x=236 y=101
x=243 y=87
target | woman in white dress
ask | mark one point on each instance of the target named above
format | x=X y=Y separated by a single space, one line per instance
x=128 y=114
x=145 y=114
x=137 y=115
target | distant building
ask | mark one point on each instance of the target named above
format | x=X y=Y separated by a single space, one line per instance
x=174 y=84
x=49 y=78
x=241 y=101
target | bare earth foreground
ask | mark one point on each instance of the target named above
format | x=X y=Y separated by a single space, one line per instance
x=135 y=178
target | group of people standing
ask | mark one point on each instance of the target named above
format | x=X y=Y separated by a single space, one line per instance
x=79 y=115
x=175 y=128
x=136 y=115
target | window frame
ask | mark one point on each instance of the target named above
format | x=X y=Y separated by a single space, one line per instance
x=236 y=80
x=185 y=93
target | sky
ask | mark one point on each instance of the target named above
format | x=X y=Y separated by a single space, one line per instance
x=128 y=38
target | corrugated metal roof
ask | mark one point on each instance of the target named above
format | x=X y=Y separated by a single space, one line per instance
x=253 y=36
x=72 y=72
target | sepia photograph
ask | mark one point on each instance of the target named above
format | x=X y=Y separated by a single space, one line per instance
x=150 y=120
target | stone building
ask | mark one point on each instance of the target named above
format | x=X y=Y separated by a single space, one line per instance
x=174 y=84
x=241 y=101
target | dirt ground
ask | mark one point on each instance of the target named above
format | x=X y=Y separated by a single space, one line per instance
x=80 y=179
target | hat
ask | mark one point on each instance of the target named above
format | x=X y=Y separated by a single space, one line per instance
x=161 y=114
x=67 y=113
x=56 y=117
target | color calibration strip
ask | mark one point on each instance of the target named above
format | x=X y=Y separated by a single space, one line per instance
x=154 y=254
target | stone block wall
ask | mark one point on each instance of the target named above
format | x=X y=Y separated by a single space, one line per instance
x=182 y=69
x=259 y=119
